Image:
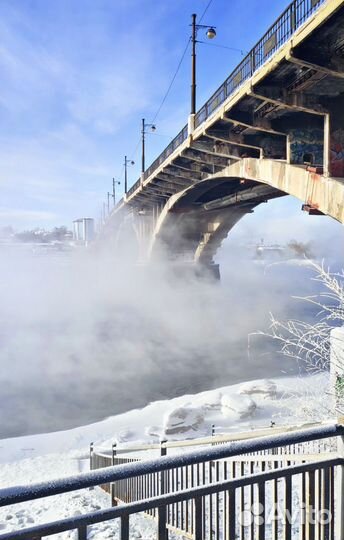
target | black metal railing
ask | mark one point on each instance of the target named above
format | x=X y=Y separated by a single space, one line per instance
x=179 y=517
x=285 y=26
x=177 y=141
x=317 y=484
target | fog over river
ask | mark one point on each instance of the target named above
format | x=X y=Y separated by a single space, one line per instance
x=83 y=337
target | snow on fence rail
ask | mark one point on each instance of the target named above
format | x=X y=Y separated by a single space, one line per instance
x=180 y=517
x=215 y=500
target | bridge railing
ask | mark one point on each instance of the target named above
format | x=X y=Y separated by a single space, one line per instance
x=177 y=141
x=290 y=20
x=199 y=492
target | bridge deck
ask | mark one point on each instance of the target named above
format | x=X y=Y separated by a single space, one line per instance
x=274 y=127
x=265 y=68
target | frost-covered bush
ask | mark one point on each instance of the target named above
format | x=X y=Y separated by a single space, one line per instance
x=309 y=343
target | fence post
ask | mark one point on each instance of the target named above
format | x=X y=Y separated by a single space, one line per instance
x=212 y=432
x=339 y=492
x=162 y=510
x=198 y=518
x=82 y=532
x=163 y=452
x=124 y=528
x=292 y=18
x=91 y=456
x=253 y=61
x=163 y=449
x=112 y=485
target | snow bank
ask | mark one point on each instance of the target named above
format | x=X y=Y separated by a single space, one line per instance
x=182 y=420
x=237 y=406
x=43 y=457
x=229 y=408
x=266 y=387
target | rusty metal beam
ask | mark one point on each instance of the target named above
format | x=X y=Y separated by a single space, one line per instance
x=244 y=196
x=194 y=156
x=231 y=141
x=284 y=104
x=177 y=180
x=257 y=127
x=186 y=169
x=163 y=187
x=304 y=63
x=198 y=146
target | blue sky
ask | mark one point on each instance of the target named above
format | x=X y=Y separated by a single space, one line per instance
x=76 y=78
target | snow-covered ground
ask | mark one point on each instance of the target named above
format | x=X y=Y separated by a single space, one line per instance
x=238 y=407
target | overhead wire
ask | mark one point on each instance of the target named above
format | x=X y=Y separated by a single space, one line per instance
x=172 y=81
x=206 y=9
x=179 y=65
x=133 y=154
x=241 y=51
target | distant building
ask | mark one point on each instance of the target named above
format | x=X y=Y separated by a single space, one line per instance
x=83 y=230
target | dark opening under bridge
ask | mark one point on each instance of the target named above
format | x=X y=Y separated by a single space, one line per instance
x=275 y=127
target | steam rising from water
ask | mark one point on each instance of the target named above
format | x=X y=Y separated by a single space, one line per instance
x=85 y=336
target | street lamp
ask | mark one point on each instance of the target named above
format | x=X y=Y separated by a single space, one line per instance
x=114 y=182
x=126 y=163
x=211 y=33
x=143 y=133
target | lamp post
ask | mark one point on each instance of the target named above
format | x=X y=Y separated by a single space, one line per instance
x=108 y=202
x=126 y=163
x=114 y=182
x=211 y=33
x=143 y=133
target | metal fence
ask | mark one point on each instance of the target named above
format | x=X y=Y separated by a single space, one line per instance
x=207 y=492
x=285 y=26
x=180 y=517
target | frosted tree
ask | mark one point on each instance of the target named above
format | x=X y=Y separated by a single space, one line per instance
x=310 y=345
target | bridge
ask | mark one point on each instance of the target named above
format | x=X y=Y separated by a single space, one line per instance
x=275 y=127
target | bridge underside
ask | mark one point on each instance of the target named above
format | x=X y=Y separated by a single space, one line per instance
x=198 y=221
x=281 y=132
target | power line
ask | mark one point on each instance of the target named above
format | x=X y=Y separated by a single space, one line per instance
x=172 y=81
x=241 y=51
x=178 y=67
x=206 y=9
x=133 y=154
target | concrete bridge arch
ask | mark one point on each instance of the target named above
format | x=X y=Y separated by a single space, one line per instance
x=194 y=222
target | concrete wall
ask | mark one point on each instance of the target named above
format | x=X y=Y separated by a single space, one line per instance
x=337 y=137
x=337 y=368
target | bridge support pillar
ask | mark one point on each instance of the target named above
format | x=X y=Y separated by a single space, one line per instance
x=335 y=137
x=305 y=141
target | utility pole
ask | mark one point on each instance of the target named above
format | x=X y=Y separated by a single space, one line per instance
x=114 y=182
x=143 y=133
x=125 y=176
x=193 y=64
x=126 y=163
x=143 y=146
x=211 y=33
